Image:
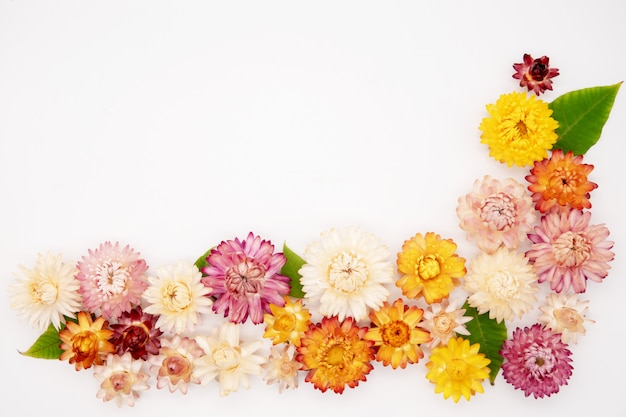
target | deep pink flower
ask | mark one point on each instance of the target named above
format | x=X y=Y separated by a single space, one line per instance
x=567 y=251
x=135 y=332
x=112 y=279
x=535 y=74
x=245 y=278
x=536 y=361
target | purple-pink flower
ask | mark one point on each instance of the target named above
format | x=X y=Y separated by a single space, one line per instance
x=245 y=278
x=136 y=332
x=567 y=251
x=535 y=74
x=536 y=361
x=112 y=279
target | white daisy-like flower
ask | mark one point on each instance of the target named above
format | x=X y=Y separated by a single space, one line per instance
x=47 y=293
x=281 y=367
x=121 y=379
x=178 y=297
x=346 y=273
x=502 y=283
x=565 y=314
x=226 y=359
x=444 y=320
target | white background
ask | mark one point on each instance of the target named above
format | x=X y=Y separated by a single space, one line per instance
x=172 y=126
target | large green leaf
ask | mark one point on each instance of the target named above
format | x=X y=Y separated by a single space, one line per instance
x=290 y=269
x=489 y=334
x=581 y=115
x=46 y=346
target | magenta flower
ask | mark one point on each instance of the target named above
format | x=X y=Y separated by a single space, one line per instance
x=536 y=361
x=136 y=333
x=535 y=74
x=245 y=278
x=567 y=251
x=112 y=279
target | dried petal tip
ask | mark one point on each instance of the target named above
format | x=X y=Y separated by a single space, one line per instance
x=535 y=74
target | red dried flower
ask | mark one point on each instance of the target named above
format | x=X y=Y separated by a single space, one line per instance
x=535 y=74
x=136 y=333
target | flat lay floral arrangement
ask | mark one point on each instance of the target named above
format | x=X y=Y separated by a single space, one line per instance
x=327 y=314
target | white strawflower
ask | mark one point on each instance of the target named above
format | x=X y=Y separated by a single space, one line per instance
x=47 y=293
x=178 y=297
x=226 y=359
x=444 y=320
x=346 y=271
x=121 y=379
x=502 y=283
x=565 y=314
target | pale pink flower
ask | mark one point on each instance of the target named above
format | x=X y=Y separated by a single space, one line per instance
x=444 y=321
x=121 y=379
x=567 y=251
x=565 y=314
x=112 y=279
x=281 y=367
x=245 y=278
x=496 y=213
x=174 y=365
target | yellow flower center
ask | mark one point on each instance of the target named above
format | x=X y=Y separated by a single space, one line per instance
x=521 y=128
x=428 y=267
x=285 y=322
x=347 y=272
x=568 y=318
x=396 y=333
x=443 y=323
x=44 y=293
x=226 y=357
x=571 y=249
x=457 y=369
x=111 y=278
x=498 y=211
x=502 y=285
x=335 y=356
x=176 y=296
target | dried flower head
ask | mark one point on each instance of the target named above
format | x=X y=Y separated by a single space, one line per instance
x=535 y=74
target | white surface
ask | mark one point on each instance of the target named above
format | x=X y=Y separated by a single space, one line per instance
x=174 y=125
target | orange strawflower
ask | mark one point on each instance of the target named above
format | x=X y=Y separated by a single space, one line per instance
x=561 y=181
x=396 y=335
x=87 y=342
x=429 y=267
x=335 y=354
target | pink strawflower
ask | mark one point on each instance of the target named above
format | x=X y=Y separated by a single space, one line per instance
x=174 y=367
x=122 y=379
x=112 y=279
x=496 y=213
x=245 y=278
x=536 y=361
x=567 y=251
x=535 y=74
x=136 y=332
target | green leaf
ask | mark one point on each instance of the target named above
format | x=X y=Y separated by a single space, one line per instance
x=581 y=115
x=290 y=269
x=46 y=346
x=201 y=262
x=489 y=334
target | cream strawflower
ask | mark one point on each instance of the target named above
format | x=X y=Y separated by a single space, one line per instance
x=503 y=283
x=346 y=272
x=226 y=359
x=281 y=367
x=121 y=379
x=178 y=297
x=444 y=321
x=47 y=293
x=565 y=314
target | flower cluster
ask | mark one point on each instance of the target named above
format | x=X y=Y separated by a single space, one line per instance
x=328 y=315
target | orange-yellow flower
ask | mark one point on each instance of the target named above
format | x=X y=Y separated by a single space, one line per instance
x=561 y=181
x=457 y=369
x=335 y=354
x=396 y=335
x=429 y=267
x=87 y=342
x=288 y=323
x=520 y=129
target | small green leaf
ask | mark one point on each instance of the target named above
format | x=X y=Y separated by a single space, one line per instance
x=201 y=262
x=290 y=269
x=46 y=346
x=489 y=334
x=581 y=115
